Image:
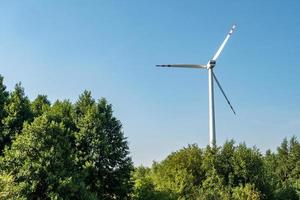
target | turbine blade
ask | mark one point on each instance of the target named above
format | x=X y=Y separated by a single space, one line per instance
x=183 y=65
x=223 y=93
x=224 y=43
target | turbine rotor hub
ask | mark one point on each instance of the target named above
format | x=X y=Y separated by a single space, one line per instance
x=212 y=63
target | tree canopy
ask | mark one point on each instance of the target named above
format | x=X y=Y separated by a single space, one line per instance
x=62 y=150
x=227 y=172
x=66 y=150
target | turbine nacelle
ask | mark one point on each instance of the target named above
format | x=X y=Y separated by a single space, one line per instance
x=211 y=64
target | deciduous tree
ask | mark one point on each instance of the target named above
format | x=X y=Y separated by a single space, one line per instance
x=102 y=150
x=3 y=100
x=17 y=110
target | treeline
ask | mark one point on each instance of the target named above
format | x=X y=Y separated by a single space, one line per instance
x=232 y=171
x=66 y=150
x=61 y=150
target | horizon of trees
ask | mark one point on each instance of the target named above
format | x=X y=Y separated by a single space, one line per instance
x=65 y=150
x=226 y=172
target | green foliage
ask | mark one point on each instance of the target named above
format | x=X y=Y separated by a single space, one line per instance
x=283 y=170
x=61 y=151
x=180 y=172
x=17 y=110
x=3 y=101
x=227 y=172
x=63 y=112
x=41 y=161
x=247 y=192
x=78 y=151
x=213 y=188
x=102 y=149
x=40 y=105
x=225 y=160
x=287 y=192
x=144 y=188
x=248 y=166
x=84 y=103
x=8 y=189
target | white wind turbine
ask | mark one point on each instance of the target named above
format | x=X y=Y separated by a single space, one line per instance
x=211 y=76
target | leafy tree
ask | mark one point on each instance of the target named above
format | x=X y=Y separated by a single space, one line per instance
x=17 y=109
x=61 y=151
x=102 y=150
x=144 y=188
x=213 y=188
x=246 y=192
x=282 y=157
x=143 y=185
x=294 y=159
x=248 y=166
x=210 y=159
x=225 y=163
x=63 y=112
x=272 y=178
x=284 y=167
x=3 y=100
x=40 y=105
x=42 y=164
x=84 y=103
x=180 y=173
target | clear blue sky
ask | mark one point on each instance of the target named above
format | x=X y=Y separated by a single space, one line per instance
x=60 y=48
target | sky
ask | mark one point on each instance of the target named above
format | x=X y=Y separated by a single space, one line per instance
x=60 y=48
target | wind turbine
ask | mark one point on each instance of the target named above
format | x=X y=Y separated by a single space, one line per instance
x=211 y=77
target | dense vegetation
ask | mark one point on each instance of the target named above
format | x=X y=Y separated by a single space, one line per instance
x=61 y=150
x=77 y=150
x=227 y=172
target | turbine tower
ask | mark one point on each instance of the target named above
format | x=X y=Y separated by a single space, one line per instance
x=211 y=77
